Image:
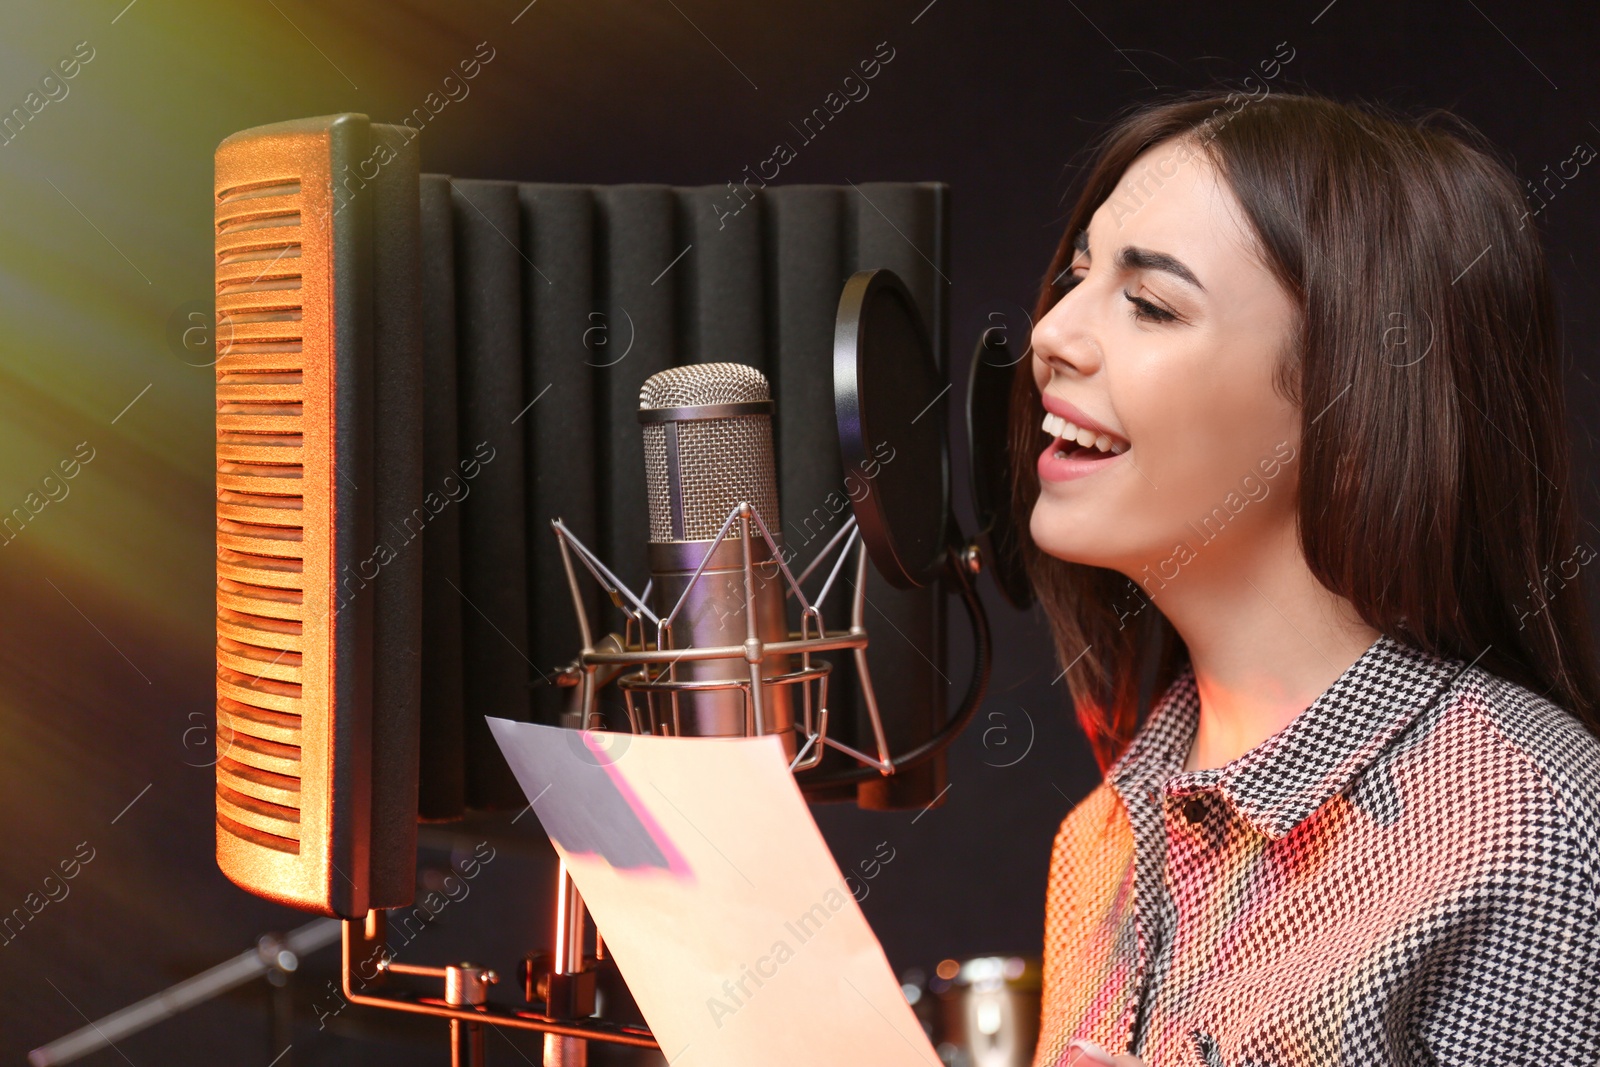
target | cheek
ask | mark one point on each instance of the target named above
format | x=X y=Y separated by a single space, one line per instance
x=1208 y=424
x=1215 y=417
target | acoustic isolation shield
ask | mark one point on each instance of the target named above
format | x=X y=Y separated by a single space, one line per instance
x=318 y=443
x=415 y=374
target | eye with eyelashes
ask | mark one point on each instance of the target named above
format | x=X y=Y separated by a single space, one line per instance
x=1143 y=310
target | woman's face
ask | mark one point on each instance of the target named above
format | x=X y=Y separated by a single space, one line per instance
x=1166 y=345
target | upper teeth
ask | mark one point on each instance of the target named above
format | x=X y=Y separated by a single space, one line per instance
x=1056 y=426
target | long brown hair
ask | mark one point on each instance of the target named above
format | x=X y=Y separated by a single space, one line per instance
x=1434 y=477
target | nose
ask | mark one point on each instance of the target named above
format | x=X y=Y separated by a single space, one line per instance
x=1064 y=341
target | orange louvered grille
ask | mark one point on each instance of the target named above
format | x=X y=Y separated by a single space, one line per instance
x=260 y=466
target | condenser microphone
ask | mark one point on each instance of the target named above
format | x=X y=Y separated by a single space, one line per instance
x=708 y=447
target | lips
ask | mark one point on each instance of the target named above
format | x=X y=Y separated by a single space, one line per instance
x=1080 y=445
x=1081 y=420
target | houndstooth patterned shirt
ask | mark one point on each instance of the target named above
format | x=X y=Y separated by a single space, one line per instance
x=1406 y=874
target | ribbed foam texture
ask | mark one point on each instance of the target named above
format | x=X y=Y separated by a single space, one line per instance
x=720 y=461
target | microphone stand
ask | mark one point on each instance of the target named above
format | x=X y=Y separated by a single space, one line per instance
x=564 y=1050
x=275 y=955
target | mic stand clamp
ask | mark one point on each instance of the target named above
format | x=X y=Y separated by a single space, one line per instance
x=565 y=996
x=465 y=985
x=369 y=967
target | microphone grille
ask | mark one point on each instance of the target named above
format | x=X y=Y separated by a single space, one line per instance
x=697 y=470
x=704 y=383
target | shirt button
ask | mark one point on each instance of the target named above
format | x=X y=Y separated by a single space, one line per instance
x=1194 y=809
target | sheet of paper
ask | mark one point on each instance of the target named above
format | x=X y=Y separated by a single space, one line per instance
x=718 y=898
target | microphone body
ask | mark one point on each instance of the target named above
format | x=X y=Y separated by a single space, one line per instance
x=708 y=446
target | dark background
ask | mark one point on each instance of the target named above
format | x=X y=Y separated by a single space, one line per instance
x=106 y=671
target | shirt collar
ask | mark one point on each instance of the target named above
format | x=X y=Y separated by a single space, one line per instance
x=1279 y=783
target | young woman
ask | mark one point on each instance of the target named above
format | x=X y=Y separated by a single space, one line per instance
x=1293 y=459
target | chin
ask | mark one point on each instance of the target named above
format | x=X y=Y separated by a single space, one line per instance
x=1060 y=533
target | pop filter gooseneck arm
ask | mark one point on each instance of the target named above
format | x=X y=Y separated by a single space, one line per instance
x=961 y=574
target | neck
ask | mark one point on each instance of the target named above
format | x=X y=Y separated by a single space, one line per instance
x=1265 y=639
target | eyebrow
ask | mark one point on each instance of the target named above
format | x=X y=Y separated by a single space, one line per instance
x=1132 y=257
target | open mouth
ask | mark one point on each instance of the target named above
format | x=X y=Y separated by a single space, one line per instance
x=1075 y=442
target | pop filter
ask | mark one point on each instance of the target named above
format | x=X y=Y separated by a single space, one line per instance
x=994 y=368
x=894 y=443
x=886 y=390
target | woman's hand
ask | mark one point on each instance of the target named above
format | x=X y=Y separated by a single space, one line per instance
x=1083 y=1053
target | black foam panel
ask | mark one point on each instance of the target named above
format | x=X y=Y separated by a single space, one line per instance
x=442 y=793
x=719 y=281
x=639 y=240
x=559 y=327
x=494 y=548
